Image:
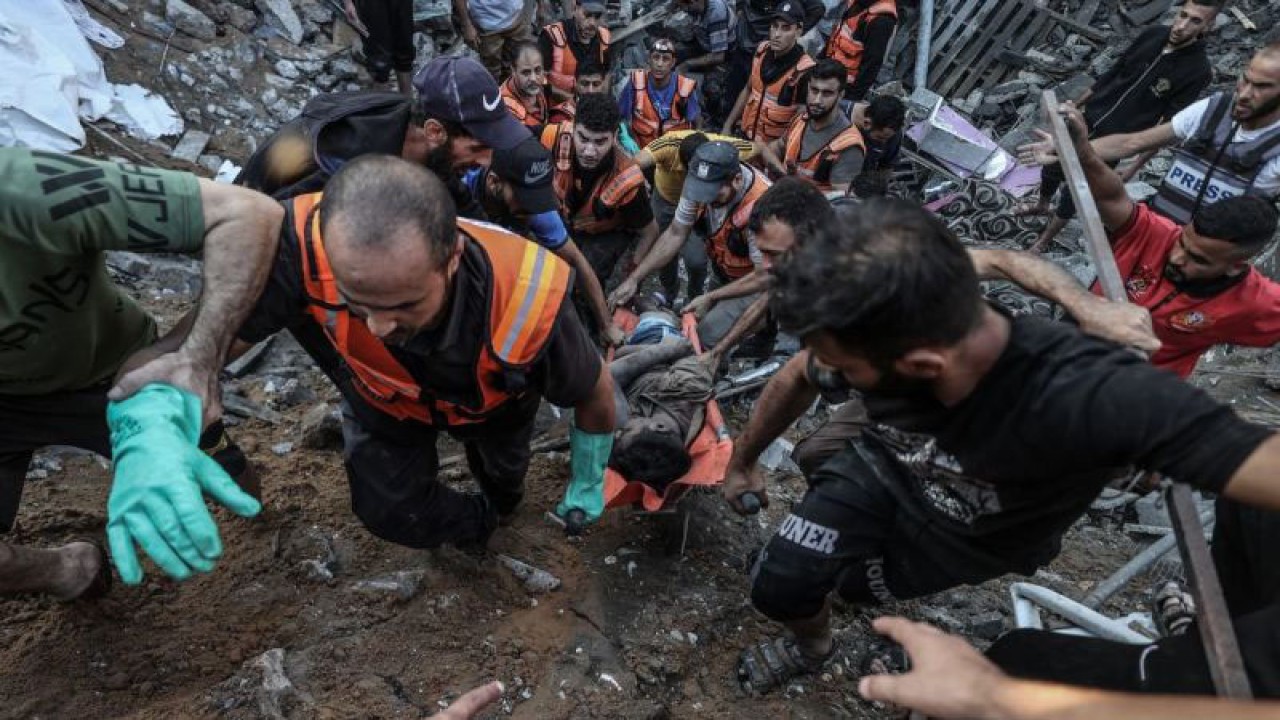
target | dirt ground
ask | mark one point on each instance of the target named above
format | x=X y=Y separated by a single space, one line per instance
x=364 y=629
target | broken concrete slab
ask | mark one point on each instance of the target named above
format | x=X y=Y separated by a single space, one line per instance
x=189 y=20
x=321 y=428
x=280 y=16
x=190 y=147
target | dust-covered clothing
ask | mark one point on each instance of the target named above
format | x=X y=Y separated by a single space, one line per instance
x=678 y=391
x=63 y=324
x=932 y=496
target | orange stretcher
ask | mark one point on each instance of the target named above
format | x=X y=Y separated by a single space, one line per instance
x=710 y=449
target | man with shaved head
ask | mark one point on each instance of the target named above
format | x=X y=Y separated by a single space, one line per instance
x=426 y=323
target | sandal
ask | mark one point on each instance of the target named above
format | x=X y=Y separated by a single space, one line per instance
x=772 y=663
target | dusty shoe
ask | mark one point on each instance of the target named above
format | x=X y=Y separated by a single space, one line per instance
x=773 y=663
x=1172 y=609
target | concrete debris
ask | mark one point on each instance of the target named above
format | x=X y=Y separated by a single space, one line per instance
x=403 y=584
x=321 y=428
x=246 y=362
x=278 y=697
x=240 y=18
x=190 y=20
x=280 y=16
x=282 y=448
x=535 y=579
x=191 y=145
x=986 y=625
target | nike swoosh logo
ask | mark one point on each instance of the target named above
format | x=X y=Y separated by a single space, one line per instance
x=536 y=173
x=491 y=106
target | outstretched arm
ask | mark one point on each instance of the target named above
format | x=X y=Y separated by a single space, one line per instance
x=242 y=228
x=663 y=251
x=748 y=322
x=783 y=400
x=1125 y=323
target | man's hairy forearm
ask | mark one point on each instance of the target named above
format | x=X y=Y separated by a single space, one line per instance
x=664 y=250
x=753 y=282
x=1036 y=275
x=783 y=400
x=242 y=228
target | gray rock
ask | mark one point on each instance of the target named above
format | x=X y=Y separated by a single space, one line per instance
x=321 y=428
x=344 y=68
x=240 y=18
x=190 y=20
x=325 y=81
x=404 y=584
x=210 y=162
x=987 y=625
x=280 y=16
x=193 y=115
x=315 y=11
x=283 y=448
x=288 y=69
x=190 y=146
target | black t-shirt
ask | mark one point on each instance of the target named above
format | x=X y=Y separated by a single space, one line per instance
x=1058 y=415
x=441 y=360
x=1147 y=85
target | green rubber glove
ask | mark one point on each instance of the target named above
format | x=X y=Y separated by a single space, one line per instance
x=629 y=144
x=589 y=454
x=160 y=473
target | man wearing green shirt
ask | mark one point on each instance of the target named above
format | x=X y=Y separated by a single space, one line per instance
x=66 y=331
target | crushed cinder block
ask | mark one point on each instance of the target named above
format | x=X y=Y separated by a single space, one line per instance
x=191 y=145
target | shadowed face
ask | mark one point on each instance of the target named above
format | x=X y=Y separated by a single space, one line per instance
x=398 y=289
x=590 y=148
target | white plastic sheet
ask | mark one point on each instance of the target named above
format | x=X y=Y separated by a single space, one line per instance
x=52 y=78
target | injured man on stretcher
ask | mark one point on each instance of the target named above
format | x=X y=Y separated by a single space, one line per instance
x=661 y=389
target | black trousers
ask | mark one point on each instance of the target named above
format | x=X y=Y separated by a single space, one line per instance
x=390 y=43
x=858 y=531
x=76 y=418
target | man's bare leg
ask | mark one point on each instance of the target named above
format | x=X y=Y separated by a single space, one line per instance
x=813 y=636
x=63 y=572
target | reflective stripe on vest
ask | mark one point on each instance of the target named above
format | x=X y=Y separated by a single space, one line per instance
x=728 y=247
x=844 y=44
x=817 y=167
x=564 y=64
x=646 y=122
x=529 y=117
x=764 y=119
x=528 y=286
x=1209 y=166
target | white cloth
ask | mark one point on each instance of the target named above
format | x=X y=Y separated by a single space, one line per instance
x=490 y=16
x=1188 y=120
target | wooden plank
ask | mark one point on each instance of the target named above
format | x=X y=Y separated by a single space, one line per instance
x=996 y=70
x=1216 y=630
x=942 y=68
x=946 y=24
x=982 y=46
x=1077 y=27
x=1217 y=633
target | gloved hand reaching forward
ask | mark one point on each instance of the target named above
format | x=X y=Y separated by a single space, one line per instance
x=161 y=475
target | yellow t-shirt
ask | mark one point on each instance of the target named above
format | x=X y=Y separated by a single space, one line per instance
x=669 y=172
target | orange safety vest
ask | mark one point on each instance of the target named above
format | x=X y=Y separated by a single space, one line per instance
x=817 y=167
x=529 y=286
x=728 y=247
x=529 y=117
x=611 y=191
x=564 y=64
x=645 y=122
x=564 y=112
x=765 y=119
x=845 y=44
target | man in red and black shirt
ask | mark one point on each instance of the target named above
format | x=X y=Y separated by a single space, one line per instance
x=1195 y=280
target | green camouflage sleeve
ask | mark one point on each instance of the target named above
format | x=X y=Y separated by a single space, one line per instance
x=71 y=205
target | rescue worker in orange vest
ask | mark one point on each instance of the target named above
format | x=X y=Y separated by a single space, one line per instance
x=426 y=324
x=525 y=90
x=590 y=77
x=569 y=42
x=775 y=90
x=719 y=195
x=656 y=101
x=861 y=41
x=602 y=192
x=822 y=145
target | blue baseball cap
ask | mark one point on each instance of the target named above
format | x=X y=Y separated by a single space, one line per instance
x=460 y=90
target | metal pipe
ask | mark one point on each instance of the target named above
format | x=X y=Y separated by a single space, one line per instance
x=1138 y=565
x=924 y=45
x=1072 y=611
